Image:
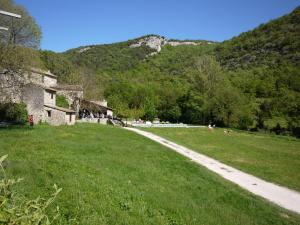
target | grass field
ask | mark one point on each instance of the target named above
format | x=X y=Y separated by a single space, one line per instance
x=273 y=158
x=112 y=176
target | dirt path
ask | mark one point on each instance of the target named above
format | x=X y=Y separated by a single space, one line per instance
x=281 y=196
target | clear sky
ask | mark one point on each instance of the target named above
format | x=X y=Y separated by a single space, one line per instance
x=72 y=23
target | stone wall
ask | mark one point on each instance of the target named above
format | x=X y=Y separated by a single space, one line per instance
x=110 y=113
x=49 y=97
x=70 y=95
x=55 y=117
x=11 y=85
x=50 y=81
x=70 y=118
x=42 y=78
x=34 y=78
x=33 y=97
x=102 y=121
x=73 y=98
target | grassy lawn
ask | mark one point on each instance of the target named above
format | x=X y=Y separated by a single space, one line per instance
x=112 y=176
x=273 y=158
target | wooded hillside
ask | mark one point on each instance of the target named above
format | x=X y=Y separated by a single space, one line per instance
x=250 y=82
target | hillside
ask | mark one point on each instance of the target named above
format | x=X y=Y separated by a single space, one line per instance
x=251 y=81
x=123 y=56
x=126 y=66
x=276 y=42
x=110 y=57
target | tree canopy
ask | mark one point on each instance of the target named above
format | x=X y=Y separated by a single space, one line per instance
x=24 y=31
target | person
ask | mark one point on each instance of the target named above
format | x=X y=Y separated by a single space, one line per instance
x=31 y=120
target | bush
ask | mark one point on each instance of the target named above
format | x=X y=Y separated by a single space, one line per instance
x=61 y=101
x=13 y=112
x=15 y=210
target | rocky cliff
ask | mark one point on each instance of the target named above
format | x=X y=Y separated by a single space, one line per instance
x=156 y=43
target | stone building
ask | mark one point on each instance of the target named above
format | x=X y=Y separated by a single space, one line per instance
x=95 y=112
x=104 y=108
x=37 y=90
x=72 y=93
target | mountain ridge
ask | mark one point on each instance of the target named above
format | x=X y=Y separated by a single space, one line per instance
x=164 y=40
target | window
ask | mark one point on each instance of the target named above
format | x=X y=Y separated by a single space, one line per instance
x=51 y=95
x=70 y=118
x=49 y=113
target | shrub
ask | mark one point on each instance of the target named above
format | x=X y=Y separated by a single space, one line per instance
x=13 y=112
x=276 y=124
x=15 y=210
x=61 y=101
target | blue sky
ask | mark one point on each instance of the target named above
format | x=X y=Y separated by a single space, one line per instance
x=72 y=23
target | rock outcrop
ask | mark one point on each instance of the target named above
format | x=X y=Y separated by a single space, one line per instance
x=177 y=43
x=84 y=49
x=156 y=43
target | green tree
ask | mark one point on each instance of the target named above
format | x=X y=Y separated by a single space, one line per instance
x=24 y=31
x=193 y=108
x=59 y=65
x=209 y=74
x=17 y=58
x=226 y=104
x=150 y=110
x=171 y=114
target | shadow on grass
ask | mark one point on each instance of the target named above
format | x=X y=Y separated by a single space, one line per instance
x=14 y=126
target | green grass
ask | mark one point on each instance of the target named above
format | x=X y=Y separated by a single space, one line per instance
x=112 y=176
x=273 y=158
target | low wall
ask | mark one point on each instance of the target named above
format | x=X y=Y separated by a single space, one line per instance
x=94 y=120
x=170 y=125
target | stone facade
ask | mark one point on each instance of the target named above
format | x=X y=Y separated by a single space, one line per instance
x=59 y=116
x=12 y=83
x=36 y=90
x=42 y=78
x=49 y=97
x=33 y=97
x=102 y=121
x=72 y=93
x=10 y=87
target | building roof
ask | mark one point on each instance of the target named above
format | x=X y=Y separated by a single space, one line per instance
x=60 y=109
x=93 y=106
x=67 y=87
x=43 y=72
x=98 y=103
x=50 y=89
